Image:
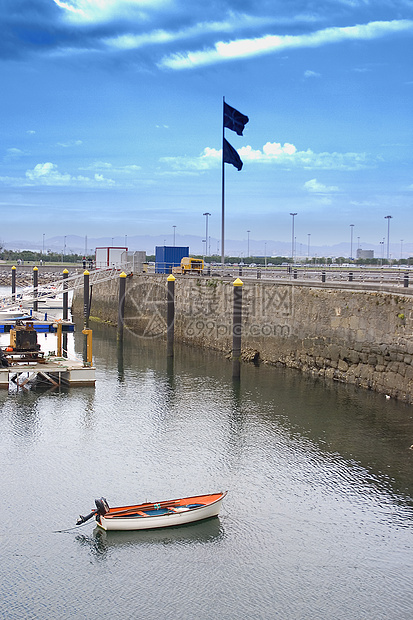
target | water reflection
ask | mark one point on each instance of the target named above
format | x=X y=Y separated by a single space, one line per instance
x=100 y=541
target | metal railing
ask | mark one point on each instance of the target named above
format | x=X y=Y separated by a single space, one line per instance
x=29 y=294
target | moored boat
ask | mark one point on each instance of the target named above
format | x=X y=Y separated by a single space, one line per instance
x=155 y=514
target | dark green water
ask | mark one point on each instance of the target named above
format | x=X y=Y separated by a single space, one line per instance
x=317 y=523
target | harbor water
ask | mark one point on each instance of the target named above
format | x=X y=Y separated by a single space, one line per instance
x=318 y=519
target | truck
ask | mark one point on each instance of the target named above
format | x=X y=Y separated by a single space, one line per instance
x=189 y=265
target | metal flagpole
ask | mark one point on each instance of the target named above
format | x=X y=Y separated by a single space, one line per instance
x=223 y=189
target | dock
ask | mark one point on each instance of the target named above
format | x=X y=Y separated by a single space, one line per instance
x=52 y=371
x=40 y=325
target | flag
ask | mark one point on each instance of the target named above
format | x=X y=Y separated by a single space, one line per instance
x=231 y=156
x=234 y=120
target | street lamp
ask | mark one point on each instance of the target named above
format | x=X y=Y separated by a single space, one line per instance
x=43 y=245
x=248 y=243
x=292 y=236
x=308 y=247
x=388 y=218
x=174 y=227
x=206 y=232
x=351 y=241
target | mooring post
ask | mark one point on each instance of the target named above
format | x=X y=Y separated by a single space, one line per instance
x=65 y=295
x=170 y=316
x=85 y=315
x=35 y=287
x=121 y=306
x=237 y=329
x=13 y=283
x=59 y=339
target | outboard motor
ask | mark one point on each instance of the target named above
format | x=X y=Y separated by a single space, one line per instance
x=102 y=507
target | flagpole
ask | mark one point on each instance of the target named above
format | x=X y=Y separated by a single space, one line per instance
x=223 y=190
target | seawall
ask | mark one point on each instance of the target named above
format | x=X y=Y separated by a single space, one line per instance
x=350 y=334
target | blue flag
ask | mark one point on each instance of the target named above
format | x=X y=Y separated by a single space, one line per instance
x=231 y=156
x=234 y=120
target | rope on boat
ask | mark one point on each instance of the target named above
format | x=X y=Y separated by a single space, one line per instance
x=76 y=527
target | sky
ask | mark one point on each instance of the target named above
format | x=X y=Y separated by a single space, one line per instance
x=111 y=119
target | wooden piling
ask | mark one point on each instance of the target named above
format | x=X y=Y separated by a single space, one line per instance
x=121 y=305
x=65 y=295
x=170 y=316
x=13 y=283
x=86 y=310
x=35 y=288
x=237 y=329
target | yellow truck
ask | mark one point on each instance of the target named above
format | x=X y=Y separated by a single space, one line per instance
x=189 y=265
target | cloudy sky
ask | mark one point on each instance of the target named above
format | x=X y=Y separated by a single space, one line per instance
x=111 y=118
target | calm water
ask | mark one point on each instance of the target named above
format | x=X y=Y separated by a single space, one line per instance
x=317 y=524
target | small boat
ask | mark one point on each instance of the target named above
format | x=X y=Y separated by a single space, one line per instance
x=11 y=314
x=151 y=515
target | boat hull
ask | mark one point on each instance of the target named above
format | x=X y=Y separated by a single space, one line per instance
x=169 y=514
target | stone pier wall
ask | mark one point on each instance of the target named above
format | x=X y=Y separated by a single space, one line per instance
x=363 y=337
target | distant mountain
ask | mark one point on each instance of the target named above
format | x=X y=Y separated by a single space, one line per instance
x=74 y=244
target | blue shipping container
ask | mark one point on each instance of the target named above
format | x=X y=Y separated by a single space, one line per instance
x=167 y=256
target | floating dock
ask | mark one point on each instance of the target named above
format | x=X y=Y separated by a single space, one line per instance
x=52 y=371
x=41 y=326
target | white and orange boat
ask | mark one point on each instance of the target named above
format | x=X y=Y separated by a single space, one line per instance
x=151 y=515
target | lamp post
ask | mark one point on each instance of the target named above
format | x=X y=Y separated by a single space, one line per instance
x=292 y=236
x=388 y=218
x=206 y=232
x=43 y=245
x=174 y=227
x=382 y=251
x=248 y=243
x=401 y=249
x=351 y=241
x=308 y=246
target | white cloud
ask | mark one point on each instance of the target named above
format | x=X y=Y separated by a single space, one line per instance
x=12 y=154
x=103 y=10
x=313 y=186
x=70 y=143
x=311 y=74
x=235 y=21
x=48 y=174
x=114 y=170
x=243 y=48
x=274 y=153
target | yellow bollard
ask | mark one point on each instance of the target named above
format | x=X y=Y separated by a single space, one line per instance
x=88 y=334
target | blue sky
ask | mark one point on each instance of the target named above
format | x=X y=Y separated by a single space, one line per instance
x=112 y=118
